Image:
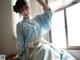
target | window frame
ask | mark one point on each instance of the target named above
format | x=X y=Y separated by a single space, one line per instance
x=66 y=30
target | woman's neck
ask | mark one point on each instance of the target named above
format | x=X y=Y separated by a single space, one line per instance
x=26 y=18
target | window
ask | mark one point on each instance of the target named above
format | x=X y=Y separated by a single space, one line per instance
x=73 y=23
x=58 y=30
x=65 y=31
x=58 y=25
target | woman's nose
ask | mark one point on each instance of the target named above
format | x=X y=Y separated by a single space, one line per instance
x=25 y=12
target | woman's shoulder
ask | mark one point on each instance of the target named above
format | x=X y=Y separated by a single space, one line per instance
x=19 y=24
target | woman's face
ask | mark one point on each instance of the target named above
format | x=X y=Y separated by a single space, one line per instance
x=24 y=12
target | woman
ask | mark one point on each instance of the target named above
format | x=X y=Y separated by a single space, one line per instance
x=30 y=30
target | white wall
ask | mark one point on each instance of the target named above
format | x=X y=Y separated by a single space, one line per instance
x=7 y=43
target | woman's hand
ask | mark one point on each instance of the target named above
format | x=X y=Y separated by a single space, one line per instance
x=44 y=5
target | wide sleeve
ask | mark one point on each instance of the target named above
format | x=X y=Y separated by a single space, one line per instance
x=31 y=32
x=20 y=39
x=39 y=26
x=44 y=19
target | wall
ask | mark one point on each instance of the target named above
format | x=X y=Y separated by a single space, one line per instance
x=7 y=44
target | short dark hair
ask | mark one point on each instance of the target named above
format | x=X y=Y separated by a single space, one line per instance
x=19 y=4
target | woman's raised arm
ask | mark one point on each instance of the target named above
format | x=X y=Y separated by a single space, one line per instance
x=44 y=5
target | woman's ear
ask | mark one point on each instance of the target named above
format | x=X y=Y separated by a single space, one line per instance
x=20 y=15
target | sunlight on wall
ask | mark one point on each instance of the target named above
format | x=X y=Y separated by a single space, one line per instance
x=15 y=18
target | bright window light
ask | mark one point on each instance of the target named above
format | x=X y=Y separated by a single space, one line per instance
x=58 y=24
x=58 y=30
x=73 y=20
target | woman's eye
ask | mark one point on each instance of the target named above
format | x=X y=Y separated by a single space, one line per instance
x=21 y=11
x=27 y=8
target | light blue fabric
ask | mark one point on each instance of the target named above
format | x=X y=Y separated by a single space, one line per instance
x=47 y=52
x=28 y=30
